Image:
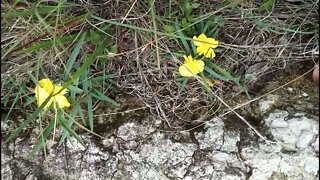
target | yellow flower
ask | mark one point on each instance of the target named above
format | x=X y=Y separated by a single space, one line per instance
x=191 y=67
x=206 y=46
x=44 y=89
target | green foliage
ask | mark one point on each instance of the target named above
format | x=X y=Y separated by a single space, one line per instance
x=187 y=7
x=76 y=77
x=190 y=26
x=267 y=5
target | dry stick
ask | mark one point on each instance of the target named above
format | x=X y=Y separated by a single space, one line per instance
x=122 y=112
x=248 y=102
x=156 y=99
x=239 y=116
x=155 y=37
x=125 y=17
x=62 y=29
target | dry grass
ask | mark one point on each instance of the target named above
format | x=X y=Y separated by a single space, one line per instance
x=252 y=42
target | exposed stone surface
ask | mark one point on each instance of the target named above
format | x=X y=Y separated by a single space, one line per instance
x=138 y=151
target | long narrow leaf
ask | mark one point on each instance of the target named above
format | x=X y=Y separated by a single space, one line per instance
x=224 y=72
x=67 y=128
x=41 y=10
x=71 y=120
x=81 y=114
x=86 y=86
x=90 y=111
x=29 y=119
x=214 y=74
x=183 y=39
x=103 y=97
x=49 y=43
x=85 y=65
x=74 y=55
x=183 y=84
x=41 y=141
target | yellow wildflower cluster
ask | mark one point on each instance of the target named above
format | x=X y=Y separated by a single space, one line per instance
x=43 y=91
x=205 y=47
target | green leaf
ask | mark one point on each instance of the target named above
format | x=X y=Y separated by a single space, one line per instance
x=29 y=101
x=267 y=5
x=70 y=131
x=168 y=28
x=12 y=106
x=71 y=120
x=226 y=74
x=5 y=99
x=85 y=65
x=41 y=10
x=90 y=111
x=114 y=49
x=187 y=8
x=81 y=114
x=29 y=119
x=105 y=98
x=73 y=56
x=42 y=140
x=73 y=93
x=214 y=74
x=183 y=84
x=75 y=89
x=86 y=86
x=196 y=5
x=46 y=44
x=94 y=37
x=183 y=40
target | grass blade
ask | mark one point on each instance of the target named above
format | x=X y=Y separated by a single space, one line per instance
x=81 y=114
x=183 y=84
x=45 y=44
x=70 y=131
x=183 y=39
x=41 y=10
x=86 y=86
x=90 y=111
x=214 y=74
x=74 y=55
x=29 y=119
x=103 y=97
x=226 y=74
x=41 y=141
x=85 y=65
x=72 y=119
x=75 y=89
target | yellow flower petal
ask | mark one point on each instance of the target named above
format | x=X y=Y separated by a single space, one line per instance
x=191 y=67
x=196 y=66
x=206 y=46
x=42 y=95
x=213 y=43
x=46 y=84
x=45 y=88
x=207 y=52
x=61 y=101
x=210 y=54
x=183 y=70
x=57 y=88
x=187 y=59
x=202 y=37
x=196 y=41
